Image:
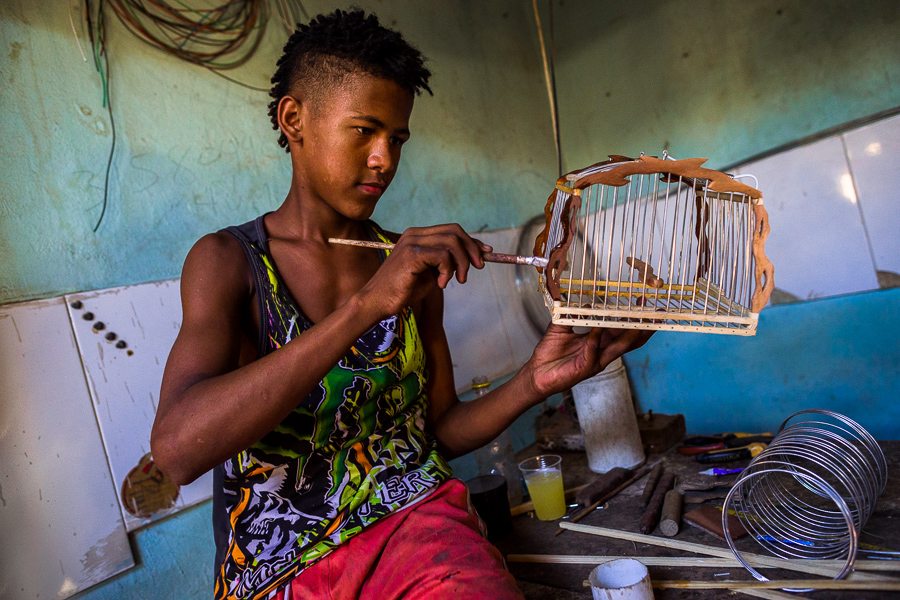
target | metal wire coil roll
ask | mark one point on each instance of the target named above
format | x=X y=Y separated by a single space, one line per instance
x=811 y=491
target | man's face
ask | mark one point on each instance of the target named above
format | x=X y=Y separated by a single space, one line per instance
x=351 y=141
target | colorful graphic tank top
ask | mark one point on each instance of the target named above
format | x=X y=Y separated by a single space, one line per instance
x=353 y=451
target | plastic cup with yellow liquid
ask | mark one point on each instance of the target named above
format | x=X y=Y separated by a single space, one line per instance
x=543 y=478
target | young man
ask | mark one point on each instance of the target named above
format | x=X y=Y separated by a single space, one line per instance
x=315 y=378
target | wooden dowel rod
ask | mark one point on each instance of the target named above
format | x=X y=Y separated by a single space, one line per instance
x=670 y=518
x=491 y=257
x=770 y=594
x=703 y=549
x=651 y=514
x=796 y=584
x=649 y=561
x=624 y=284
x=655 y=474
x=694 y=561
x=766 y=594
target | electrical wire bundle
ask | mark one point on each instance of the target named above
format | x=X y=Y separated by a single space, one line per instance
x=96 y=26
x=218 y=38
x=221 y=37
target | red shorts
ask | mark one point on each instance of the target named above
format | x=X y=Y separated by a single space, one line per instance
x=432 y=549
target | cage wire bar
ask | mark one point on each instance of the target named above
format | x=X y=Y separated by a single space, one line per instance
x=657 y=249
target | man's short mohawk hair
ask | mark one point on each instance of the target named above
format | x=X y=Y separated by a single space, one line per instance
x=331 y=46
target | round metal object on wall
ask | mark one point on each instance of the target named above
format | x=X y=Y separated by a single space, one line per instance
x=527 y=278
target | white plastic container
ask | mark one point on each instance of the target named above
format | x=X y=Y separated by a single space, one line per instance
x=608 y=421
x=623 y=579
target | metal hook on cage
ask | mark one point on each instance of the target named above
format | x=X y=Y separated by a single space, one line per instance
x=753 y=177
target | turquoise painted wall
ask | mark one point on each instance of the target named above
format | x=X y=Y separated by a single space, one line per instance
x=839 y=354
x=721 y=80
x=196 y=153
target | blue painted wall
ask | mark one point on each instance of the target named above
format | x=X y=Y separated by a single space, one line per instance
x=838 y=353
x=195 y=153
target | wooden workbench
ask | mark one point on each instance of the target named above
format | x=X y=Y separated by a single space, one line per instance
x=565 y=582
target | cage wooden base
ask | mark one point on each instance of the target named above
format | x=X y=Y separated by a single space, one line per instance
x=701 y=307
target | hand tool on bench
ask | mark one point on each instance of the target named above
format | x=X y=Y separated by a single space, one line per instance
x=655 y=474
x=730 y=454
x=651 y=514
x=609 y=493
x=698 y=444
x=696 y=492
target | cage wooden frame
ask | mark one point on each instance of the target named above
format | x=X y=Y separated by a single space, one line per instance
x=655 y=243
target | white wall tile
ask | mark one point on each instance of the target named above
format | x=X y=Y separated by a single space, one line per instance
x=817 y=242
x=874 y=155
x=60 y=524
x=125 y=382
x=521 y=334
x=473 y=321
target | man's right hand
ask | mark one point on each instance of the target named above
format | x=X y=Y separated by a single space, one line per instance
x=423 y=257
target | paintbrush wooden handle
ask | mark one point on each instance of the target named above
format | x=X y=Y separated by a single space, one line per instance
x=491 y=257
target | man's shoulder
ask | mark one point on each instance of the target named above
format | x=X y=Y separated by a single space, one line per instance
x=216 y=247
x=217 y=260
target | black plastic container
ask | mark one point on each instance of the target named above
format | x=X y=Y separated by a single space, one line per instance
x=488 y=494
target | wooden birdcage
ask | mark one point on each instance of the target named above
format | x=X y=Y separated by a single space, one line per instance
x=653 y=243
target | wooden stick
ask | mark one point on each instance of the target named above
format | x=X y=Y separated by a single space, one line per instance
x=651 y=514
x=758 y=593
x=693 y=561
x=649 y=561
x=491 y=257
x=651 y=484
x=703 y=549
x=603 y=485
x=670 y=518
x=770 y=594
x=795 y=584
x=610 y=495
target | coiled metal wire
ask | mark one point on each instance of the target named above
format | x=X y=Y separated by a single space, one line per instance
x=811 y=491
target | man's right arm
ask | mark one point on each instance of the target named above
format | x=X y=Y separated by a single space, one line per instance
x=210 y=408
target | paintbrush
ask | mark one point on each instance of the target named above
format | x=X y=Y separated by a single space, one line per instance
x=494 y=257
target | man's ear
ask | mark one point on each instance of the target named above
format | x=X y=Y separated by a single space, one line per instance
x=289 y=118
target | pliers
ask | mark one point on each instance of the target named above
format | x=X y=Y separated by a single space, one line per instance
x=699 y=444
x=731 y=454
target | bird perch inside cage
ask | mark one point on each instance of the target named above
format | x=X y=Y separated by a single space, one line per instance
x=661 y=244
